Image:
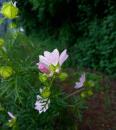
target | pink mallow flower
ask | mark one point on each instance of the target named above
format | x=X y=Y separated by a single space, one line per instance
x=81 y=82
x=52 y=59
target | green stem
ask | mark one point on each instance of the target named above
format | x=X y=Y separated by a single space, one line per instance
x=52 y=80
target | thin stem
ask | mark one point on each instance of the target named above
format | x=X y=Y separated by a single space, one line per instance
x=52 y=81
x=75 y=92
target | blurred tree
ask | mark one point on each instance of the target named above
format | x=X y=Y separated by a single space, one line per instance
x=73 y=22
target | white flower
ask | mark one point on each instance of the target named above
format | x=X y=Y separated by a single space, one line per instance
x=11 y=116
x=21 y=29
x=81 y=82
x=15 y=3
x=42 y=104
x=52 y=61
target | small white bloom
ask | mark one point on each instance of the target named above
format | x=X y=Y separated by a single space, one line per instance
x=11 y=116
x=81 y=82
x=21 y=29
x=15 y=3
x=42 y=104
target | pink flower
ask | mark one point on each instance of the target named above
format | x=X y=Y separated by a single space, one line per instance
x=52 y=58
x=81 y=82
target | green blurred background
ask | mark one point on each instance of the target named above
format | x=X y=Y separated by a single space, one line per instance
x=86 y=28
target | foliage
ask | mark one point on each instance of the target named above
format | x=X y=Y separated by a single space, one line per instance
x=96 y=49
x=75 y=24
x=18 y=92
x=54 y=14
x=20 y=81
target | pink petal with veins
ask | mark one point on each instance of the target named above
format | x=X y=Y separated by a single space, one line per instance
x=63 y=57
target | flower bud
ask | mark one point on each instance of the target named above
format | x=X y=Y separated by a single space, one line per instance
x=46 y=92
x=63 y=76
x=83 y=94
x=6 y=72
x=89 y=83
x=1 y=42
x=89 y=92
x=43 y=77
x=9 y=10
x=52 y=68
x=43 y=68
x=12 y=25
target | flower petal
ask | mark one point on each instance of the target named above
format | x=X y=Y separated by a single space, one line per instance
x=11 y=115
x=82 y=78
x=41 y=104
x=47 y=54
x=78 y=85
x=55 y=57
x=44 y=60
x=63 y=57
x=81 y=82
x=15 y=3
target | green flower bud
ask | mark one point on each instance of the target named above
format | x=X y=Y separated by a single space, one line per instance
x=12 y=25
x=43 y=77
x=52 y=68
x=90 y=92
x=89 y=83
x=45 y=93
x=6 y=72
x=9 y=10
x=83 y=94
x=1 y=42
x=63 y=76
